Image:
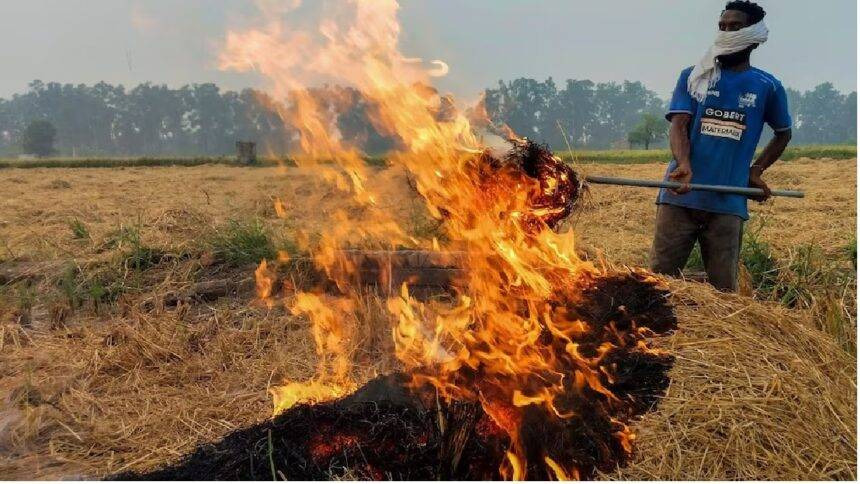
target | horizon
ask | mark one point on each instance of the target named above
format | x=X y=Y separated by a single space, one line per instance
x=170 y=44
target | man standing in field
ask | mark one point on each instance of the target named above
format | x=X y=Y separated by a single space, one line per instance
x=718 y=111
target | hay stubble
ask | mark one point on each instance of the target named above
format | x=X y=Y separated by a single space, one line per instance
x=755 y=393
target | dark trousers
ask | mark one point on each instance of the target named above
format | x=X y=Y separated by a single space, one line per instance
x=719 y=235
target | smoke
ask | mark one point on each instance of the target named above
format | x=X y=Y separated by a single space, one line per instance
x=277 y=8
x=142 y=21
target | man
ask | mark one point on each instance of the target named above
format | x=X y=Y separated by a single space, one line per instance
x=718 y=112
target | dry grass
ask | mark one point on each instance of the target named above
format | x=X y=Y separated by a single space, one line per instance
x=756 y=392
x=99 y=397
x=170 y=205
x=35 y=218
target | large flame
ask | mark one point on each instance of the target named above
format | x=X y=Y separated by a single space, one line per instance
x=506 y=342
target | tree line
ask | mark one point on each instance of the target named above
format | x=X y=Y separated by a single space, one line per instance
x=203 y=120
x=603 y=115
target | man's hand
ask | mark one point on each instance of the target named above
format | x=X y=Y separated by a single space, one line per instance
x=757 y=182
x=681 y=174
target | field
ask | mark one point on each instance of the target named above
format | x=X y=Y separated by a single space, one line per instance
x=129 y=330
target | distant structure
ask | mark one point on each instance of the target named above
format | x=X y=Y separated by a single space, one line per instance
x=246 y=152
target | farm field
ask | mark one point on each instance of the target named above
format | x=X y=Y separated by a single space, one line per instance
x=129 y=330
x=374 y=240
x=41 y=205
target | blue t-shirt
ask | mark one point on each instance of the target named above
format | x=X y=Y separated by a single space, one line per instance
x=724 y=133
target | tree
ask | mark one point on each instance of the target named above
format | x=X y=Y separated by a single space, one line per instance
x=576 y=111
x=39 y=138
x=527 y=106
x=819 y=112
x=847 y=118
x=649 y=130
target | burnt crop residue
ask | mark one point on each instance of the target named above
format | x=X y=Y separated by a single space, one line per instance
x=390 y=430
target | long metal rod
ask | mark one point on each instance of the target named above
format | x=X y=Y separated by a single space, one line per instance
x=750 y=192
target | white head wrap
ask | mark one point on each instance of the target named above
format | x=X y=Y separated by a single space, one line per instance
x=706 y=73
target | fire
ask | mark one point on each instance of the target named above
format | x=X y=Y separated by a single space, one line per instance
x=286 y=396
x=560 y=473
x=516 y=472
x=264 y=281
x=331 y=335
x=510 y=340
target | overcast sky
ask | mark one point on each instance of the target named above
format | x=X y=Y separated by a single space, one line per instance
x=176 y=41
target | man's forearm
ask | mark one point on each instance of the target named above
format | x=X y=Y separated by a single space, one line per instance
x=773 y=150
x=679 y=139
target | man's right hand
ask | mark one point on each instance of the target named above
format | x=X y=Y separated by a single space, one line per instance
x=681 y=174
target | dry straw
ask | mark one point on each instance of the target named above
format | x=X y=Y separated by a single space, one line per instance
x=755 y=392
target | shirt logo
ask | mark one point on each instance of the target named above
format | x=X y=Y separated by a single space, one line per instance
x=747 y=100
x=714 y=93
x=723 y=123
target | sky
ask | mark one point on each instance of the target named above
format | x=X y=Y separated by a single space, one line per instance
x=176 y=42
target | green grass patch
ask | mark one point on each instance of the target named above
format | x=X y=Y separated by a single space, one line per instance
x=243 y=242
x=806 y=273
x=839 y=152
x=96 y=285
x=79 y=230
x=134 y=254
x=695 y=262
x=824 y=284
x=850 y=252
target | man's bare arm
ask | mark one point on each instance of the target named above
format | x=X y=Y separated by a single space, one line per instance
x=679 y=142
x=768 y=156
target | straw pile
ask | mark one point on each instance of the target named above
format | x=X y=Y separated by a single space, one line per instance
x=755 y=394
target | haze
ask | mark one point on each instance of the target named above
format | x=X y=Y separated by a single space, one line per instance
x=165 y=41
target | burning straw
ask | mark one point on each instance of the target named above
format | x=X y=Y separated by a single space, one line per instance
x=551 y=350
x=514 y=339
x=391 y=428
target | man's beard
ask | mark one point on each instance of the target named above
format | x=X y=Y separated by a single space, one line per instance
x=736 y=58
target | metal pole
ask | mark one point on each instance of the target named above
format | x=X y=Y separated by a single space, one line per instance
x=750 y=192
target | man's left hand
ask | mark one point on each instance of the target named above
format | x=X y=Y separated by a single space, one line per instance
x=757 y=182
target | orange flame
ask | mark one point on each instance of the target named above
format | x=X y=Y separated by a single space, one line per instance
x=516 y=472
x=495 y=326
x=557 y=469
x=264 y=280
x=332 y=334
